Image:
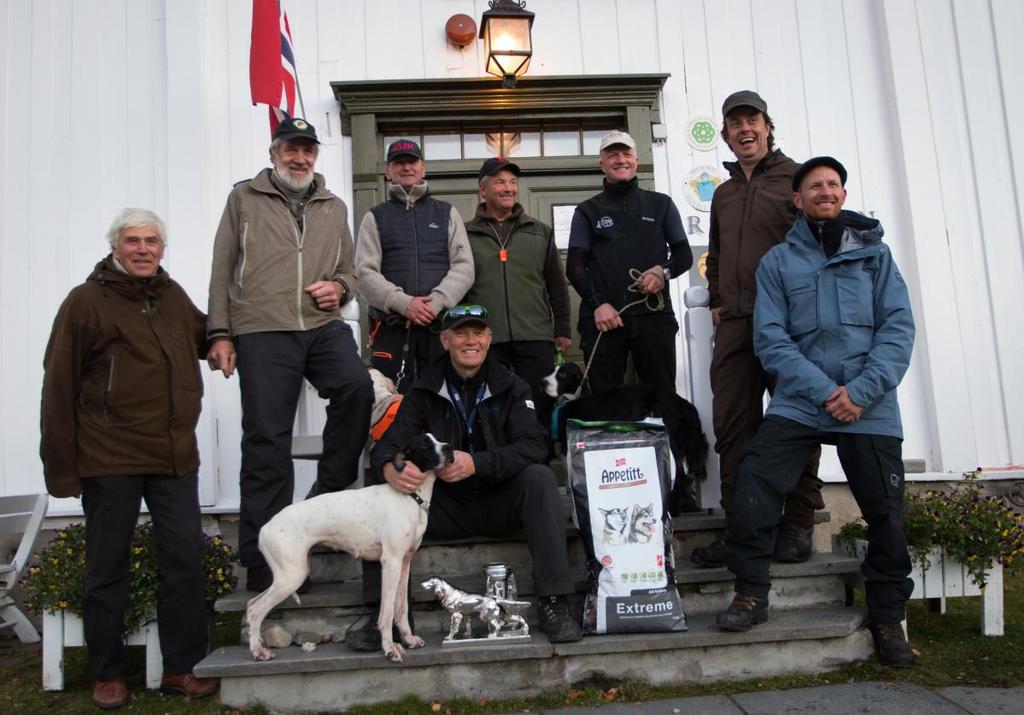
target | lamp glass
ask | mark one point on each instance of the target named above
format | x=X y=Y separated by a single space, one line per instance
x=507 y=43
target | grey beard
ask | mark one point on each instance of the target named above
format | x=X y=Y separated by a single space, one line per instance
x=285 y=177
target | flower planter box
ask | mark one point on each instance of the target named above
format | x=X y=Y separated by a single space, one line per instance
x=63 y=630
x=944 y=577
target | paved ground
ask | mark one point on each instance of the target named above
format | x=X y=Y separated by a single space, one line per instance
x=856 y=698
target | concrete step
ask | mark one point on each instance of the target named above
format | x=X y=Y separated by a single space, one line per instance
x=463 y=556
x=330 y=609
x=332 y=678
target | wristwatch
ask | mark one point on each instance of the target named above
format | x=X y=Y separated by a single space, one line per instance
x=667 y=271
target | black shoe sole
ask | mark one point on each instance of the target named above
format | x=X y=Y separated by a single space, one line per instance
x=794 y=560
x=738 y=628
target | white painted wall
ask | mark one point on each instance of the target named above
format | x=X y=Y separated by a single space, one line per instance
x=108 y=103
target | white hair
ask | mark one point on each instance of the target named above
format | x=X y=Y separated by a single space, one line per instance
x=135 y=218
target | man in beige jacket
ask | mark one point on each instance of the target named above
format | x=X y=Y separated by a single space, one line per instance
x=282 y=269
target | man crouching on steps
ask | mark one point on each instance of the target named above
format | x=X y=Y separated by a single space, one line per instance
x=499 y=482
x=832 y=324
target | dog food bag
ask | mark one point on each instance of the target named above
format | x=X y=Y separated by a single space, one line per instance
x=620 y=476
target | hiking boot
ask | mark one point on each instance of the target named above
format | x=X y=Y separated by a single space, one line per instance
x=794 y=543
x=556 y=622
x=110 y=694
x=743 y=612
x=713 y=555
x=366 y=638
x=188 y=685
x=891 y=642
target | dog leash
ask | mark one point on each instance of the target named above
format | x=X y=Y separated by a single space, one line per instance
x=657 y=307
x=405 y=355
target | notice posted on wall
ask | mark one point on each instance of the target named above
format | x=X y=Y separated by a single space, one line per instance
x=619 y=481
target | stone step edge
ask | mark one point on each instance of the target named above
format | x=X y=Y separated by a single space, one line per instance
x=349 y=593
x=704 y=520
x=800 y=624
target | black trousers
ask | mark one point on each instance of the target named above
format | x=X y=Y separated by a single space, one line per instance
x=271 y=367
x=112 y=507
x=529 y=501
x=874 y=471
x=387 y=345
x=650 y=339
x=532 y=360
x=738 y=381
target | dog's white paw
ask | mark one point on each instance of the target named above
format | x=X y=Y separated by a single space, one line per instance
x=394 y=653
x=261 y=653
x=413 y=642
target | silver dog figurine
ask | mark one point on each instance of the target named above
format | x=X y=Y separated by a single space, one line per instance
x=500 y=615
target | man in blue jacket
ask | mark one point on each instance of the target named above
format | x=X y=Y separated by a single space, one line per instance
x=832 y=323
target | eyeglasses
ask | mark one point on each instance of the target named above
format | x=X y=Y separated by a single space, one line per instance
x=462 y=311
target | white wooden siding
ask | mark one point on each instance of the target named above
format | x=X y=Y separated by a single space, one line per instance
x=108 y=103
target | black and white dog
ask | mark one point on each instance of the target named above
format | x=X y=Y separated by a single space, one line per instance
x=631 y=403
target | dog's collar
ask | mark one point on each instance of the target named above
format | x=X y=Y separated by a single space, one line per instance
x=424 y=505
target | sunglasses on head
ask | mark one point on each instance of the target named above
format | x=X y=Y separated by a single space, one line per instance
x=462 y=311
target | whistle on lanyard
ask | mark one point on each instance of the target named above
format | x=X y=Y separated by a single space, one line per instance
x=503 y=255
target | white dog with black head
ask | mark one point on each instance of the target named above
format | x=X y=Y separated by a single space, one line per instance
x=376 y=523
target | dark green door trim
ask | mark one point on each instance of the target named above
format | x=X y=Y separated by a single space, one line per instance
x=631 y=100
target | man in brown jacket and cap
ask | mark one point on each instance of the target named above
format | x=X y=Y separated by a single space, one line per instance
x=750 y=213
x=121 y=399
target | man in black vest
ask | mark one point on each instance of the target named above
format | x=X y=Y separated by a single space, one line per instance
x=413 y=262
x=625 y=244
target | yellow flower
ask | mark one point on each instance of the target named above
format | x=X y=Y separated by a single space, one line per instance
x=62 y=605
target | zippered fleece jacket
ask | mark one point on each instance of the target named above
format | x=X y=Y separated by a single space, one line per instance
x=121 y=383
x=747 y=219
x=381 y=289
x=526 y=294
x=505 y=416
x=262 y=262
x=824 y=322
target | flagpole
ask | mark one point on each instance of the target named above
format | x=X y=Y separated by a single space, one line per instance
x=298 y=91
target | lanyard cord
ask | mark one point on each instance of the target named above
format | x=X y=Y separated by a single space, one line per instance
x=470 y=419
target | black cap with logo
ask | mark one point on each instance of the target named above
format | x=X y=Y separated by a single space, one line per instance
x=295 y=128
x=495 y=164
x=404 y=147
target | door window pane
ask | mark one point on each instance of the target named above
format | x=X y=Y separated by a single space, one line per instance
x=446 y=145
x=476 y=146
x=561 y=143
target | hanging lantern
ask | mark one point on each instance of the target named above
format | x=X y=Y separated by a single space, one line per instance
x=508 y=45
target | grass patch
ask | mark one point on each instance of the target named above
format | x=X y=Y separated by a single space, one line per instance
x=951 y=650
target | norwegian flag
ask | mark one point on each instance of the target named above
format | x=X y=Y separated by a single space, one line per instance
x=273 y=79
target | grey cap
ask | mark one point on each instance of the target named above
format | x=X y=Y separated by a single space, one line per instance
x=613 y=138
x=744 y=98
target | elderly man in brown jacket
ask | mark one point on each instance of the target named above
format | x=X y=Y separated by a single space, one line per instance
x=282 y=269
x=750 y=213
x=121 y=399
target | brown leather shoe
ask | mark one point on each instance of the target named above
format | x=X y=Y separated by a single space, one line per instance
x=188 y=684
x=110 y=694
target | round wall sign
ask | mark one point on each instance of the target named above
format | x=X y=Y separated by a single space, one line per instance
x=701 y=133
x=700 y=184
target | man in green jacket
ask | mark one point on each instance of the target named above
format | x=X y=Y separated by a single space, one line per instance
x=750 y=213
x=519 y=277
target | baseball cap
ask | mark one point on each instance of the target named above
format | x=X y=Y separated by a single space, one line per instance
x=459 y=315
x=405 y=147
x=294 y=128
x=613 y=138
x=814 y=163
x=495 y=164
x=744 y=98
